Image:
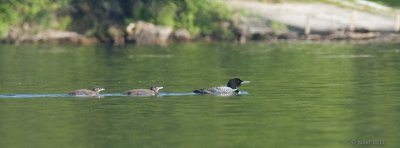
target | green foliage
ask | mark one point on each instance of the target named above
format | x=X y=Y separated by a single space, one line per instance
x=210 y=16
x=14 y=12
x=198 y=16
x=63 y=23
x=9 y=16
x=94 y=17
x=166 y=15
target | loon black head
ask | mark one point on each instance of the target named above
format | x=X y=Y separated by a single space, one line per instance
x=236 y=82
x=156 y=88
x=98 y=89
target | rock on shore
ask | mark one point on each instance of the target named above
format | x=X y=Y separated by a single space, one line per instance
x=143 y=33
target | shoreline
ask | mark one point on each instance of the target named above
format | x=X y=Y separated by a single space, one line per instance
x=249 y=21
x=385 y=39
x=66 y=37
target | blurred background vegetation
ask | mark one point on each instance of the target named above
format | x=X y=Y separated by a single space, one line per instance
x=41 y=12
x=392 y=3
x=92 y=17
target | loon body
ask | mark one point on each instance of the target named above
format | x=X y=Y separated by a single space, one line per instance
x=230 y=89
x=86 y=92
x=153 y=91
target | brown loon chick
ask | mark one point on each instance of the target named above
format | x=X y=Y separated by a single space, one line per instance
x=153 y=91
x=86 y=92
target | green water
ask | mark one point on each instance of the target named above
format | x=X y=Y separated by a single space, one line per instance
x=300 y=95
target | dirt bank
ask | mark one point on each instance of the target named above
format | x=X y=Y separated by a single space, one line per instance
x=320 y=16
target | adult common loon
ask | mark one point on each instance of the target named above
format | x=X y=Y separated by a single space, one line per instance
x=86 y=92
x=153 y=91
x=230 y=89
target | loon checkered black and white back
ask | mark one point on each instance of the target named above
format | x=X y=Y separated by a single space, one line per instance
x=230 y=89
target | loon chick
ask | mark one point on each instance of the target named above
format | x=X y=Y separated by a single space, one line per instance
x=152 y=91
x=86 y=92
x=230 y=89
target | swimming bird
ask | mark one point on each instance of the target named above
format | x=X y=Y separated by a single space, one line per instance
x=86 y=92
x=230 y=89
x=152 y=91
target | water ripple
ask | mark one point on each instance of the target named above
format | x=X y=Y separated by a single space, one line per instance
x=102 y=95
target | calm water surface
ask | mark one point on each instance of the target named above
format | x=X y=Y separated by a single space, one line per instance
x=301 y=95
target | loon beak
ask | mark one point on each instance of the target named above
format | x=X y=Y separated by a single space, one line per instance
x=160 y=88
x=245 y=82
x=102 y=89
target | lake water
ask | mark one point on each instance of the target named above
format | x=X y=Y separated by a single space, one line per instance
x=300 y=95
